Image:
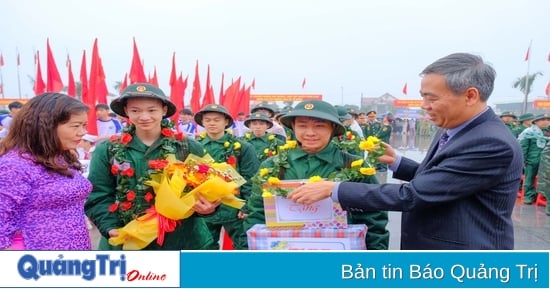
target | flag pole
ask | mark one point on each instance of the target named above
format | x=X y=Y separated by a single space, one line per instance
x=525 y=98
x=18 y=74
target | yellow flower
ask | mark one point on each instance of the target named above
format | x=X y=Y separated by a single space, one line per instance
x=266 y=194
x=236 y=145
x=264 y=171
x=373 y=139
x=271 y=137
x=348 y=133
x=203 y=134
x=247 y=135
x=226 y=144
x=367 y=171
x=357 y=163
x=366 y=145
x=266 y=151
x=352 y=137
x=291 y=144
x=315 y=179
x=273 y=181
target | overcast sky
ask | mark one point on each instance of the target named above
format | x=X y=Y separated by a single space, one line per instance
x=363 y=47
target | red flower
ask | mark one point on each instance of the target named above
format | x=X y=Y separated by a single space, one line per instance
x=125 y=138
x=129 y=172
x=167 y=132
x=179 y=135
x=125 y=206
x=158 y=164
x=113 y=207
x=131 y=195
x=114 y=169
x=148 y=197
x=232 y=160
x=203 y=168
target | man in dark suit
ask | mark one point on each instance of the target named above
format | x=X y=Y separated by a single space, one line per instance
x=462 y=194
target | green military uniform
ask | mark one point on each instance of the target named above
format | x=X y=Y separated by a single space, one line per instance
x=532 y=141
x=190 y=233
x=246 y=165
x=265 y=145
x=349 y=141
x=524 y=118
x=372 y=127
x=302 y=165
x=543 y=177
x=512 y=126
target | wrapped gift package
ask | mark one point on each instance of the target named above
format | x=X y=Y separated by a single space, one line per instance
x=260 y=237
x=283 y=212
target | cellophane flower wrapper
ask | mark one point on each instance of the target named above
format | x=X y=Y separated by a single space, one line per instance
x=177 y=188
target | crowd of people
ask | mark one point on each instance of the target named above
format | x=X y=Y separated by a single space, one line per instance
x=57 y=179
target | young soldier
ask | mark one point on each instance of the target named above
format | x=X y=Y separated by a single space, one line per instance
x=315 y=123
x=225 y=147
x=265 y=144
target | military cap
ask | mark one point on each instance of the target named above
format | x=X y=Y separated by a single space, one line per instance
x=316 y=109
x=351 y=111
x=526 y=116
x=263 y=106
x=258 y=116
x=141 y=90
x=541 y=117
x=508 y=113
x=214 y=108
x=371 y=112
x=342 y=113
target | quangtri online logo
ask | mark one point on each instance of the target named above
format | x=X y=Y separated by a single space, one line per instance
x=91 y=269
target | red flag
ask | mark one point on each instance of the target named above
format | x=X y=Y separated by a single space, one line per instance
x=244 y=101
x=182 y=86
x=173 y=80
x=97 y=89
x=71 y=86
x=54 y=82
x=137 y=74
x=86 y=97
x=154 y=80
x=83 y=78
x=253 y=84
x=209 y=92
x=1 y=60
x=231 y=95
x=39 y=85
x=124 y=83
x=304 y=83
x=527 y=53
x=221 y=96
x=196 y=93
x=547 y=91
x=405 y=89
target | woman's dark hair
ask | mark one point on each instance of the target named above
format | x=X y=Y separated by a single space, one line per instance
x=34 y=131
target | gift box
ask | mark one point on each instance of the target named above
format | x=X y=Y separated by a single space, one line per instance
x=282 y=212
x=260 y=237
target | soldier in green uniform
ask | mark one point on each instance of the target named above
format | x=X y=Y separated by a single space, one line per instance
x=373 y=126
x=266 y=109
x=289 y=133
x=225 y=147
x=532 y=142
x=509 y=119
x=119 y=168
x=265 y=144
x=525 y=120
x=315 y=123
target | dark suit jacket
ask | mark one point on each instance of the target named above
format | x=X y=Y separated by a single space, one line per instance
x=460 y=198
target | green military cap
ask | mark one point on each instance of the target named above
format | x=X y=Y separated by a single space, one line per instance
x=342 y=113
x=316 y=109
x=263 y=106
x=258 y=116
x=541 y=117
x=141 y=90
x=508 y=113
x=371 y=112
x=526 y=116
x=214 y=108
